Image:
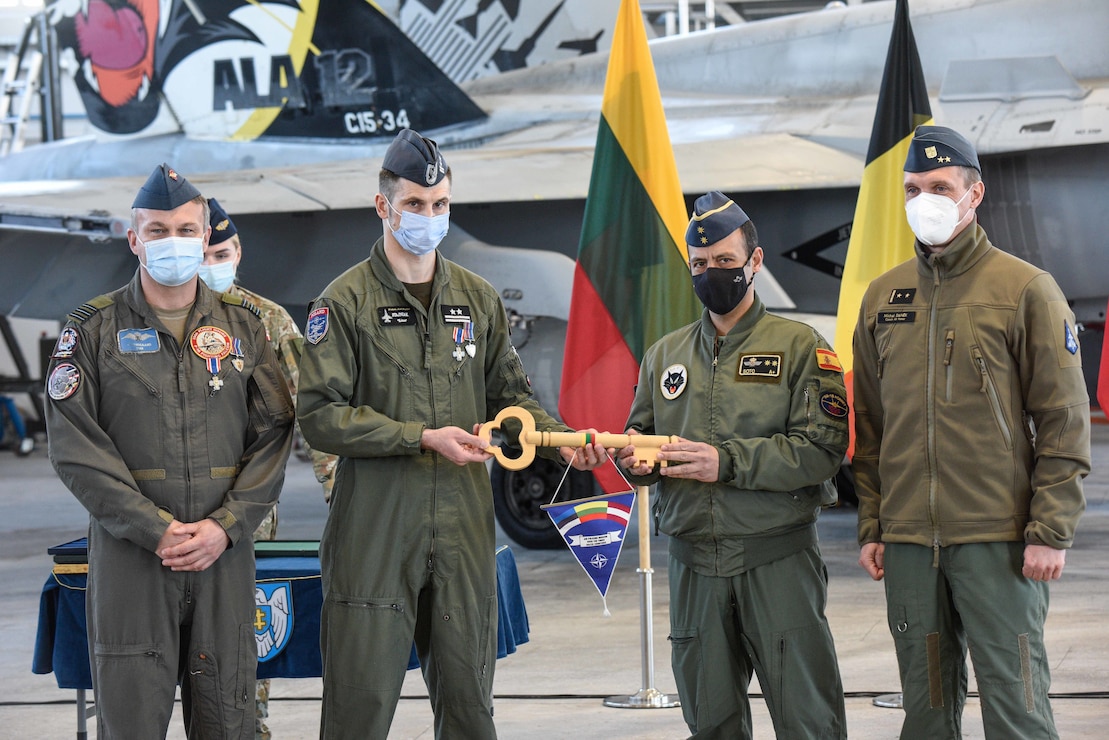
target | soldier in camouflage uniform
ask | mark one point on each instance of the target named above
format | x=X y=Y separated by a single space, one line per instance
x=221 y=259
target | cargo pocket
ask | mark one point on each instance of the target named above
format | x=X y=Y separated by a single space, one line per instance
x=688 y=666
x=205 y=694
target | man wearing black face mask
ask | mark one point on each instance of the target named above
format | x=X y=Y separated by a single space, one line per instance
x=759 y=404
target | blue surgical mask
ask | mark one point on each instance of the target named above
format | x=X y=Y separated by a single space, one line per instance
x=418 y=234
x=219 y=277
x=174 y=260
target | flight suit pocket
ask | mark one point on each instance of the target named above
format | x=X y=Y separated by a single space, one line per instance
x=206 y=694
x=272 y=403
x=688 y=665
x=350 y=621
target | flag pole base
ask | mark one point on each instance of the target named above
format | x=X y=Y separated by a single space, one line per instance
x=889 y=701
x=644 y=699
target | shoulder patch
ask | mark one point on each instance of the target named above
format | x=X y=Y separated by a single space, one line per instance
x=86 y=311
x=235 y=300
x=826 y=359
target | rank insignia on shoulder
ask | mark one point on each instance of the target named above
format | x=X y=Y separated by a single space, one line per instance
x=66 y=345
x=63 y=381
x=138 y=341
x=397 y=316
x=235 y=300
x=902 y=295
x=316 y=329
x=673 y=382
x=826 y=359
x=833 y=404
x=455 y=314
x=765 y=368
x=86 y=310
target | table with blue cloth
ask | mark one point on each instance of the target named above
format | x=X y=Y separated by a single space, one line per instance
x=289 y=598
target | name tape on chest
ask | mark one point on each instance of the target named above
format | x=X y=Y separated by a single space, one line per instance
x=764 y=367
x=397 y=316
x=138 y=341
x=896 y=317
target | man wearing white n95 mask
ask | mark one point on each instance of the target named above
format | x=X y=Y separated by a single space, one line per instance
x=972 y=439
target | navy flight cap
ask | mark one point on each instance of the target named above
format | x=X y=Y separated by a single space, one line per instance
x=933 y=147
x=714 y=217
x=415 y=158
x=165 y=190
x=223 y=228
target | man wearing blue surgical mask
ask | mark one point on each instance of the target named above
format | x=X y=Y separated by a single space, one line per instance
x=221 y=261
x=406 y=354
x=168 y=422
x=972 y=437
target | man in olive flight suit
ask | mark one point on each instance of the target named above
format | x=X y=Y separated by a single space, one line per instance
x=406 y=354
x=169 y=421
x=759 y=403
x=973 y=437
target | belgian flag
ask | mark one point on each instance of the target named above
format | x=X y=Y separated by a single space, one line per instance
x=631 y=282
x=880 y=234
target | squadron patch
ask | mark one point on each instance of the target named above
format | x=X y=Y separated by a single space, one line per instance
x=826 y=359
x=138 y=341
x=63 y=381
x=902 y=295
x=1069 y=340
x=763 y=368
x=67 y=343
x=397 y=316
x=673 y=382
x=210 y=342
x=833 y=404
x=316 y=328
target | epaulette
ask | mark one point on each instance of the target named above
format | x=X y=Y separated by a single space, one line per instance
x=235 y=300
x=85 y=311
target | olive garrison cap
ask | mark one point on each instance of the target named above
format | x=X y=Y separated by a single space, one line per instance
x=714 y=217
x=415 y=158
x=165 y=190
x=223 y=228
x=933 y=147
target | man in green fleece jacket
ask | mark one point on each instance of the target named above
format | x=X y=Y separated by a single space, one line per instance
x=973 y=437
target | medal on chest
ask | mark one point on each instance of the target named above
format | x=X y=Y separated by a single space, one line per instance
x=464 y=341
x=211 y=344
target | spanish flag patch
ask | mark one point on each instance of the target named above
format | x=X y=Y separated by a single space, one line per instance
x=827 y=360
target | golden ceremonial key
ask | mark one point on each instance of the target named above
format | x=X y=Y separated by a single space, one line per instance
x=646 y=445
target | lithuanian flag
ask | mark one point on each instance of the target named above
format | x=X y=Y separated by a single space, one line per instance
x=880 y=235
x=631 y=283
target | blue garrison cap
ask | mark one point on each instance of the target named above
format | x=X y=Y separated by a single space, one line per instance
x=415 y=158
x=714 y=217
x=223 y=228
x=165 y=190
x=933 y=147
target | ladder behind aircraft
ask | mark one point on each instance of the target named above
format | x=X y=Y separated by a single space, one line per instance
x=23 y=81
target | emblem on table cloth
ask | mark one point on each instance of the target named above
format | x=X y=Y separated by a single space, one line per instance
x=273 y=618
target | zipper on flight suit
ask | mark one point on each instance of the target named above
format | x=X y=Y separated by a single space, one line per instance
x=930 y=411
x=428 y=370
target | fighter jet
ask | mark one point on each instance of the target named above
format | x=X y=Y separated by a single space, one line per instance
x=282 y=110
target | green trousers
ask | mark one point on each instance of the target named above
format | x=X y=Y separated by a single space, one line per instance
x=770 y=621
x=975 y=598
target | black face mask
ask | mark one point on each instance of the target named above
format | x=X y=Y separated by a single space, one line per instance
x=721 y=289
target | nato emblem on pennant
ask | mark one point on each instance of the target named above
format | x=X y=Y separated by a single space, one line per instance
x=593 y=528
x=316 y=328
x=273 y=618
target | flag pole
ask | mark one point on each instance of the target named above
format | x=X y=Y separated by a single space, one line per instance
x=648 y=697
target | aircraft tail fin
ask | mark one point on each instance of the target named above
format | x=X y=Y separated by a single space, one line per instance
x=307 y=70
